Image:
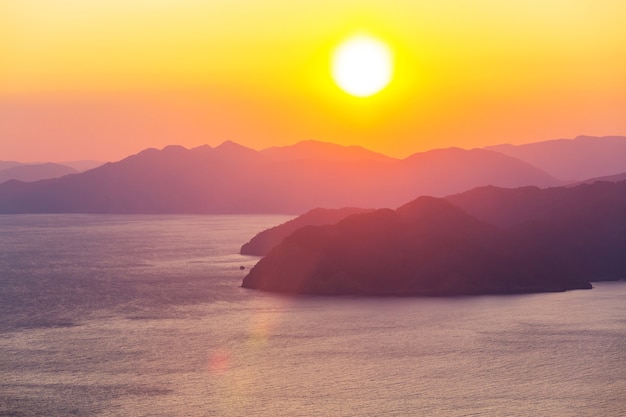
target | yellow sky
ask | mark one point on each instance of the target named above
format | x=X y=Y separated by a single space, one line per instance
x=102 y=79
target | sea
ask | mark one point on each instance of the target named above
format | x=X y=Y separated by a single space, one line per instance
x=143 y=315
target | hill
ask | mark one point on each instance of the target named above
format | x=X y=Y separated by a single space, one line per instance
x=582 y=226
x=426 y=247
x=264 y=241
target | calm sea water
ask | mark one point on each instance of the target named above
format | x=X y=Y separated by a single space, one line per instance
x=144 y=316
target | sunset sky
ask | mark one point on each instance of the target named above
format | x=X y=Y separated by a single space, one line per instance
x=103 y=79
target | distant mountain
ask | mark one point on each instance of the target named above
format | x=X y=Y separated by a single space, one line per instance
x=83 y=165
x=34 y=172
x=231 y=178
x=315 y=150
x=9 y=164
x=572 y=159
x=582 y=226
x=261 y=244
x=517 y=207
x=426 y=247
x=437 y=172
x=608 y=178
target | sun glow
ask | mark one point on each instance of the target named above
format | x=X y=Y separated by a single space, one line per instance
x=362 y=66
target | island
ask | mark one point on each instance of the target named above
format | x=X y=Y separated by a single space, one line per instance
x=264 y=241
x=489 y=240
x=427 y=247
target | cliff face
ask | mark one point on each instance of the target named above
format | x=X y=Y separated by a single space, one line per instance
x=426 y=247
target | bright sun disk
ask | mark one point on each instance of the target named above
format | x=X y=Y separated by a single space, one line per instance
x=362 y=66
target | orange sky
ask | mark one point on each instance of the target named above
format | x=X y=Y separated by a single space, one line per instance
x=102 y=79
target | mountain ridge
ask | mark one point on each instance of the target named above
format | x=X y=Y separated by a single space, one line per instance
x=34 y=172
x=551 y=239
x=313 y=149
x=575 y=159
x=427 y=247
x=232 y=178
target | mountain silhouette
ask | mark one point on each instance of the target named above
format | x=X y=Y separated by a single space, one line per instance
x=486 y=240
x=9 y=164
x=426 y=247
x=316 y=150
x=582 y=226
x=610 y=178
x=573 y=159
x=261 y=244
x=231 y=178
x=82 y=165
x=34 y=172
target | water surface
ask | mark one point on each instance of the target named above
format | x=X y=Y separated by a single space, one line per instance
x=143 y=316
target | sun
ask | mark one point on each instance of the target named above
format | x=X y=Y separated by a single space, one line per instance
x=362 y=66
